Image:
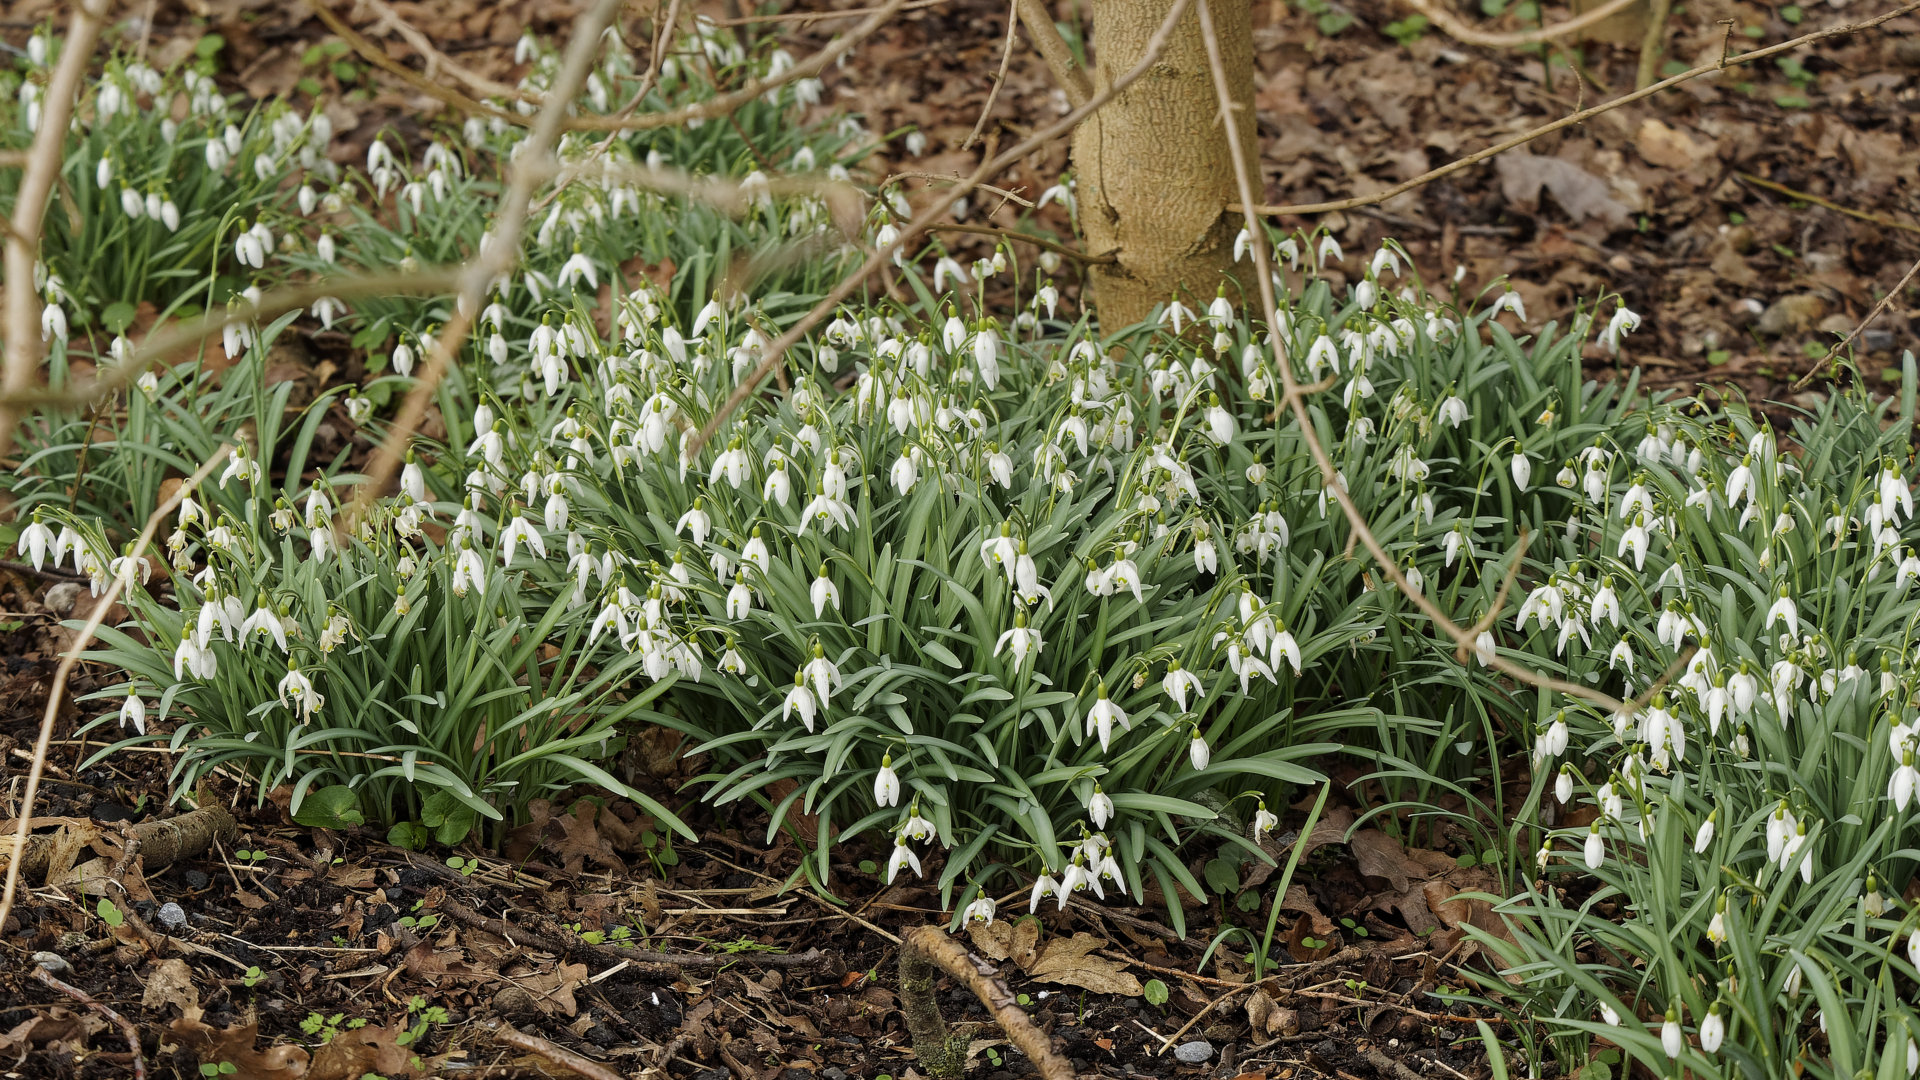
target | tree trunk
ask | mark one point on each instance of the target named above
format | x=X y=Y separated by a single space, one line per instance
x=1152 y=169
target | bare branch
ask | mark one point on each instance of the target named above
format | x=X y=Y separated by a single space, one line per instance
x=499 y=250
x=372 y=53
x=806 y=17
x=439 y=61
x=64 y=672
x=777 y=349
x=48 y=153
x=1028 y=238
x=1809 y=197
x=1054 y=50
x=1295 y=396
x=927 y=950
x=1467 y=34
x=999 y=80
x=1879 y=308
x=164 y=343
x=721 y=104
x=1581 y=117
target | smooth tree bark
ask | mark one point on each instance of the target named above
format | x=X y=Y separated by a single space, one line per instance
x=1153 y=175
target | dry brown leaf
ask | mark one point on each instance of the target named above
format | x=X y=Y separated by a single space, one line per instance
x=1580 y=193
x=1669 y=148
x=1003 y=940
x=553 y=990
x=172 y=984
x=350 y=1055
x=1068 y=961
x=235 y=1045
x=57 y=1025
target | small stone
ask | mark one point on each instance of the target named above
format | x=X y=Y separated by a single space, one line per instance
x=1193 y=1053
x=1876 y=340
x=515 y=1002
x=172 y=916
x=196 y=879
x=1792 y=314
x=53 y=962
x=60 y=599
x=833 y=1072
x=602 y=1036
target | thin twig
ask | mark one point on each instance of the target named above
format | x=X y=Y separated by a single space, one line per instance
x=806 y=17
x=1053 y=48
x=1460 y=30
x=776 y=350
x=126 y=1027
x=437 y=60
x=44 y=159
x=1579 y=117
x=1220 y=999
x=1885 y=302
x=499 y=250
x=1295 y=397
x=1806 y=197
x=1028 y=238
x=162 y=344
x=999 y=80
x=72 y=658
x=559 y=1055
x=950 y=178
x=720 y=104
x=371 y=52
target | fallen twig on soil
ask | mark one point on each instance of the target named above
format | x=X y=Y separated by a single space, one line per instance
x=1808 y=197
x=121 y=1022
x=1460 y=30
x=162 y=842
x=643 y=961
x=927 y=948
x=559 y=1055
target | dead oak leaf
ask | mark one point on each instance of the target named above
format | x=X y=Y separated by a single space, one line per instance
x=370 y=1051
x=234 y=1045
x=553 y=990
x=172 y=984
x=1580 y=193
x=1069 y=962
x=1017 y=941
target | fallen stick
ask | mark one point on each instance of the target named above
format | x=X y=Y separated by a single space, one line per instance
x=927 y=948
x=81 y=996
x=162 y=842
x=559 y=1055
x=644 y=961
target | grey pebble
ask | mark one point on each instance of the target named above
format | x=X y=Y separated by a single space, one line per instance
x=53 y=962
x=1193 y=1053
x=172 y=916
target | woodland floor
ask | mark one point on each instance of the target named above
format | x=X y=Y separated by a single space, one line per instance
x=287 y=927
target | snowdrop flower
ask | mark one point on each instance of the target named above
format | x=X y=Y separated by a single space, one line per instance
x=1177 y=315
x=1740 y=481
x=1219 y=422
x=468 y=571
x=1023 y=640
x=298 y=695
x=1784 y=610
x=1198 y=753
x=800 y=700
x=981 y=910
x=886 y=784
x=1904 y=782
x=35 y=541
x=1623 y=322
x=697 y=523
x=133 y=712
x=1672 y=1040
x=1563 y=784
x=1453 y=410
x=903 y=857
x=1596 y=849
x=1713 y=1028
x=1522 y=470
x=823 y=593
x=1043 y=887
x=266 y=624
x=1103 y=715
x=1179 y=683
x=1329 y=248
x=1509 y=301
x=517 y=530
x=1099 y=808
x=986 y=354
x=739 y=599
x=1895 y=492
